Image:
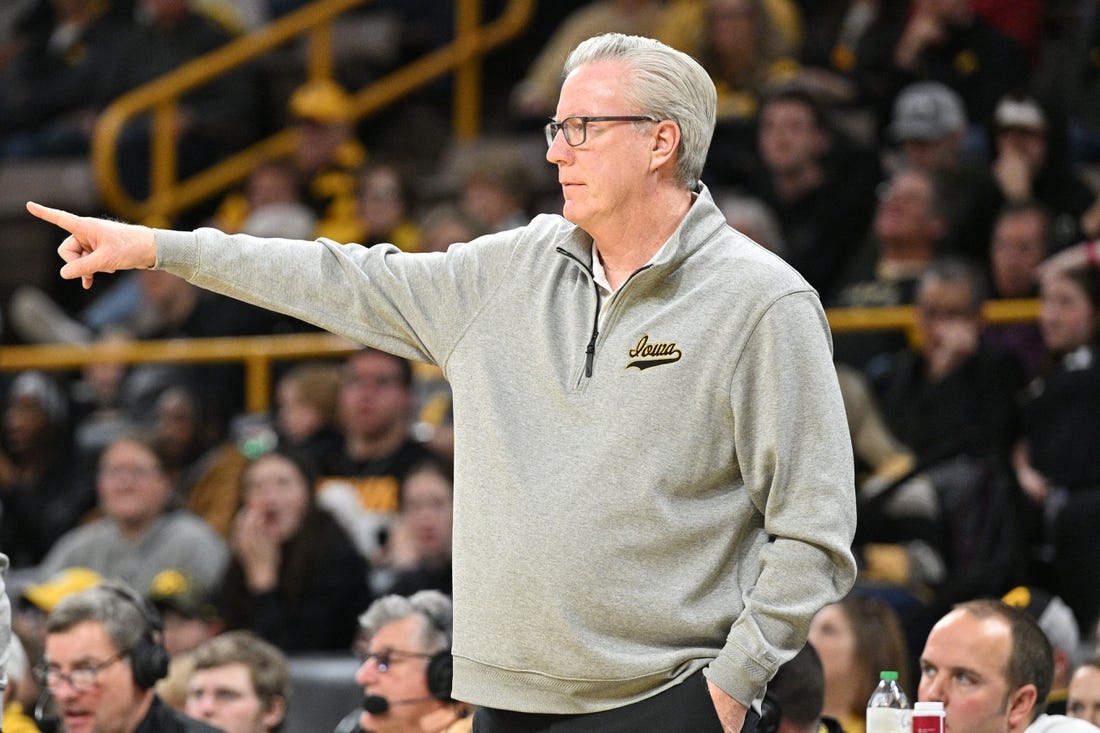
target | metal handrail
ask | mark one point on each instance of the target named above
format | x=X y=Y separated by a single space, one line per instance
x=259 y=353
x=169 y=196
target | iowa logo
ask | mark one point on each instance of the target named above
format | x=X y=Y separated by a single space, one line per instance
x=646 y=355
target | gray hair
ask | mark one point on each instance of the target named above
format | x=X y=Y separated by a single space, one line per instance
x=430 y=606
x=112 y=604
x=666 y=83
x=957 y=270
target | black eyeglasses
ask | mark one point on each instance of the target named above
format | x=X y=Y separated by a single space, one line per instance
x=385 y=658
x=575 y=129
x=81 y=679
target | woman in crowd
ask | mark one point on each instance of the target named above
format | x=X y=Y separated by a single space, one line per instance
x=856 y=638
x=295 y=577
x=1056 y=461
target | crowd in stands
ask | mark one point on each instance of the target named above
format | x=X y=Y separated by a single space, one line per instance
x=932 y=153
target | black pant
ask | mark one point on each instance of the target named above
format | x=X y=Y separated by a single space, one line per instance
x=685 y=708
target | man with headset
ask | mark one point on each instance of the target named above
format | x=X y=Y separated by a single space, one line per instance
x=406 y=670
x=102 y=658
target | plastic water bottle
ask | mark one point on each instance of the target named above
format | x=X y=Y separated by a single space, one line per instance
x=888 y=709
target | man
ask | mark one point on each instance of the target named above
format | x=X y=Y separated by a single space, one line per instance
x=654 y=477
x=821 y=191
x=929 y=126
x=360 y=481
x=1027 y=166
x=101 y=660
x=140 y=533
x=907 y=230
x=1084 y=692
x=240 y=683
x=1020 y=242
x=406 y=670
x=796 y=696
x=991 y=666
x=950 y=396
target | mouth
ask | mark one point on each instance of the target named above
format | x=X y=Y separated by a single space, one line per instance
x=77 y=720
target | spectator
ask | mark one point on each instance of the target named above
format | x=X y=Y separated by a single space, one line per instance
x=102 y=660
x=190 y=617
x=36 y=600
x=929 y=127
x=445 y=224
x=140 y=533
x=495 y=191
x=328 y=156
x=306 y=408
x=535 y=95
x=755 y=219
x=423 y=529
x=1029 y=164
x=944 y=41
x=295 y=578
x=384 y=208
x=743 y=50
x=856 y=638
x=990 y=665
x=796 y=696
x=42 y=493
x=189 y=611
x=907 y=230
x=820 y=195
x=360 y=483
x=49 y=89
x=1021 y=240
x=1083 y=700
x=406 y=670
x=272 y=204
x=950 y=397
x=240 y=683
x=1054 y=461
x=1058 y=623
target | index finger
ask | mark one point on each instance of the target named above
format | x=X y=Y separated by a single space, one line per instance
x=63 y=219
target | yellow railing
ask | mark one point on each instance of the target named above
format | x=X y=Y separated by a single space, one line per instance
x=169 y=195
x=259 y=353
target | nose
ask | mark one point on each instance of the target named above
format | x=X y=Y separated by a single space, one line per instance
x=559 y=150
x=367 y=674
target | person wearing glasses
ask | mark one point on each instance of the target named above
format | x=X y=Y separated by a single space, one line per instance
x=653 y=473
x=405 y=648
x=101 y=660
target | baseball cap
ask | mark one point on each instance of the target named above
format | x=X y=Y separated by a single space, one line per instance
x=1054 y=617
x=1019 y=113
x=320 y=100
x=47 y=594
x=927 y=110
x=174 y=590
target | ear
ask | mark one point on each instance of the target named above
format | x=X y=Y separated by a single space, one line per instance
x=275 y=713
x=1021 y=705
x=666 y=144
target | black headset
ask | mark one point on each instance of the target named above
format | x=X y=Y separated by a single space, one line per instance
x=440 y=674
x=148 y=658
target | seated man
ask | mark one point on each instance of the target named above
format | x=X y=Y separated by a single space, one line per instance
x=239 y=683
x=991 y=666
x=102 y=658
x=796 y=697
x=406 y=670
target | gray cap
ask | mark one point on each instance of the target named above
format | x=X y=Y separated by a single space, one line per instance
x=927 y=110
